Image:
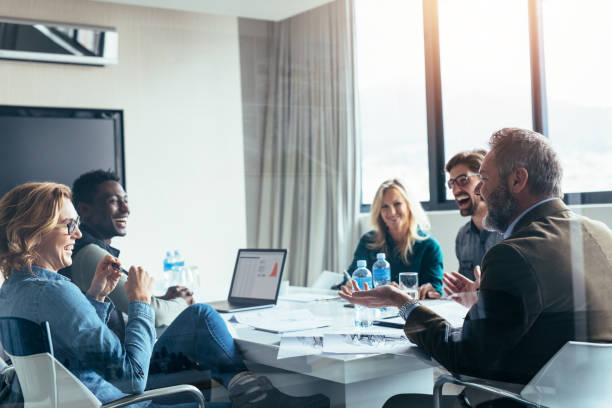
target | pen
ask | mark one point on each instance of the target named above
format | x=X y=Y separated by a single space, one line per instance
x=388 y=324
x=116 y=267
x=348 y=277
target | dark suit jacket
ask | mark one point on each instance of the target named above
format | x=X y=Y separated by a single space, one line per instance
x=548 y=283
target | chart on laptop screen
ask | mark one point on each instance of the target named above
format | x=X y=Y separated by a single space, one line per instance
x=257 y=275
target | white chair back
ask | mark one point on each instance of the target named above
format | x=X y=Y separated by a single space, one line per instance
x=327 y=279
x=578 y=375
x=46 y=383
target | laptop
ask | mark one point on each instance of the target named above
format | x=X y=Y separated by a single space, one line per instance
x=256 y=281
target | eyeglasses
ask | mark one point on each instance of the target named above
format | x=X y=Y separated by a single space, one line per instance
x=461 y=180
x=71 y=225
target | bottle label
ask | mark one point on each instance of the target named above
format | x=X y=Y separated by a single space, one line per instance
x=361 y=281
x=382 y=274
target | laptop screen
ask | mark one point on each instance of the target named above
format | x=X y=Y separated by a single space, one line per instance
x=258 y=273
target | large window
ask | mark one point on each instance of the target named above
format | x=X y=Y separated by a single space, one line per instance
x=485 y=77
x=578 y=60
x=439 y=76
x=391 y=86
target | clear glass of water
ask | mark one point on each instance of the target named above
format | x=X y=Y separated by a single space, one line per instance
x=364 y=316
x=409 y=283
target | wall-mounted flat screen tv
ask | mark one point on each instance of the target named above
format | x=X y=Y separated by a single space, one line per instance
x=58 y=144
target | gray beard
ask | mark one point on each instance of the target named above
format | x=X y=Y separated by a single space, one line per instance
x=502 y=208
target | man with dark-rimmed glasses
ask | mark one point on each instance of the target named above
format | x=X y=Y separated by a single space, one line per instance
x=472 y=240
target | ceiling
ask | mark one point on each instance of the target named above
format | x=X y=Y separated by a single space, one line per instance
x=274 y=10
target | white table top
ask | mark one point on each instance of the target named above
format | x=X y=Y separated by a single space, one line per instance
x=262 y=347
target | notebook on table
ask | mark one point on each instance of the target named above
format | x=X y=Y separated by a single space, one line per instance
x=256 y=280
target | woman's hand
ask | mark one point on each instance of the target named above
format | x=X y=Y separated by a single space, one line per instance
x=105 y=279
x=382 y=296
x=139 y=285
x=427 y=291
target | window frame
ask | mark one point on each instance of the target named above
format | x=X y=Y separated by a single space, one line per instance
x=433 y=105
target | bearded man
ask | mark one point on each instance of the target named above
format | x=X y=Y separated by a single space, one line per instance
x=546 y=283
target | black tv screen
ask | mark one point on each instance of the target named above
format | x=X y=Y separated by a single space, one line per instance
x=58 y=144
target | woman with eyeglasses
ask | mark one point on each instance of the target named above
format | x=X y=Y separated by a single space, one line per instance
x=400 y=226
x=38 y=229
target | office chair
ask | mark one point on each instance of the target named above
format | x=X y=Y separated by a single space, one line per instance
x=578 y=375
x=46 y=383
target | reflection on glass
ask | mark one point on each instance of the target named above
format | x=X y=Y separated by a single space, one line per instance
x=391 y=86
x=579 y=90
x=54 y=42
x=484 y=62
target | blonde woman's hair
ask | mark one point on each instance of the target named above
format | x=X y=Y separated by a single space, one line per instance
x=417 y=220
x=27 y=212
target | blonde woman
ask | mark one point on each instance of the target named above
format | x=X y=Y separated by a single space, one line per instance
x=400 y=226
x=38 y=229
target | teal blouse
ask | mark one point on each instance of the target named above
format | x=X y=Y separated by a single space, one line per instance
x=426 y=259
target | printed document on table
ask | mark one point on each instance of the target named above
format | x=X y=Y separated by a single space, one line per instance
x=281 y=321
x=294 y=346
x=363 y=341
x=360 y=343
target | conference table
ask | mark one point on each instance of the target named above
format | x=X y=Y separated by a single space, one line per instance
x=349 y=380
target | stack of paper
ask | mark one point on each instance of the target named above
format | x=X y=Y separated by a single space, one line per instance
x=349 y=343
x=281 y=321
x=343 y=343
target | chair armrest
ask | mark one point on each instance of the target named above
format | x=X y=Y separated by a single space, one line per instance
x=444 y=379
x=7 y=370
x=156 y=393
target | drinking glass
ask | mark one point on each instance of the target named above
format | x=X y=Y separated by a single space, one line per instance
x=409 y=283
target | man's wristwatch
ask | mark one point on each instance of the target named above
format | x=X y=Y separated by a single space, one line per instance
x=407 y=307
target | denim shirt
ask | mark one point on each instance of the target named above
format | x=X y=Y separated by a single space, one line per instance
x=471 y=245
x=81 y=340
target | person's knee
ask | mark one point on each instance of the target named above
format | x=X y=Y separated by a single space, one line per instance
x=202 y=310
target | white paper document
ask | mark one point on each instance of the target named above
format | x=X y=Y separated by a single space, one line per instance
x=294 y=346
x=450 y=310
x=360 y=343
x=281 y=321
x=307 y=297
x=374 y=342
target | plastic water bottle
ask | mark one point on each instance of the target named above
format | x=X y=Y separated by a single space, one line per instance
x=179 y=261
x=180 y=272
x=168 y=263
x=166 y=278
x=363 y=315
x=381 y=270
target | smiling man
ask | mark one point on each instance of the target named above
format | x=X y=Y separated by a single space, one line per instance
x=103 y=207
x=196 y=344
x=473 y=240
x=546 y=283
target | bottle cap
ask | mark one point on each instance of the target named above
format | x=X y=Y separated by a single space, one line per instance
x=361 y=263
x=380 y=255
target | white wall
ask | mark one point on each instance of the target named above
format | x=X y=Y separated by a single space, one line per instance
x=178 y=82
